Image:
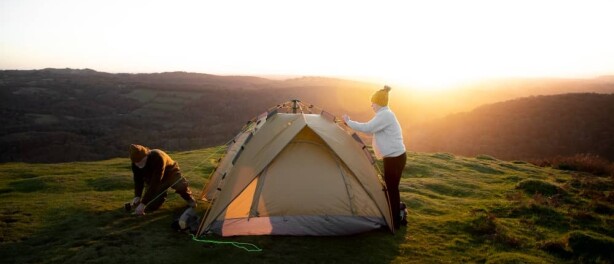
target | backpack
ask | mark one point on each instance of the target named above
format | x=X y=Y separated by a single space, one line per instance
x=188 y=221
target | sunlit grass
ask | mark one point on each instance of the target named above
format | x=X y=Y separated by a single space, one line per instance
x=460 y=210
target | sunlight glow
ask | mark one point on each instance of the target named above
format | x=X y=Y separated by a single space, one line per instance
x=420 y=44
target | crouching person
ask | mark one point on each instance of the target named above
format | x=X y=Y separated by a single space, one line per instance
x=155 y=170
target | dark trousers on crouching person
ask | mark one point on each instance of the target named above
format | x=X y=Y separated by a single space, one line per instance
x=393 y=168
x=177 y=183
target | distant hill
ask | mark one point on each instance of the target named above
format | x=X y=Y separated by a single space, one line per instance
x=55 y=115
x=465 y=98
x=526 y=128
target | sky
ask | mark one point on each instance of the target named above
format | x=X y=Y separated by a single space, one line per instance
x=421 y=43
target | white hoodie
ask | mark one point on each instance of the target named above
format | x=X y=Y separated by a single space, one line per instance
x=387 y=134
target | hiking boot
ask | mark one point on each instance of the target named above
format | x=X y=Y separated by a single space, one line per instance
x=403 y=214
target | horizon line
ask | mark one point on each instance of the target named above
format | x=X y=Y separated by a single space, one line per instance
x=288 y=76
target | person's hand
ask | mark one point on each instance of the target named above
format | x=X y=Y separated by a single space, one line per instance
x=135 y=201
x=140 y=210
x=346 y=118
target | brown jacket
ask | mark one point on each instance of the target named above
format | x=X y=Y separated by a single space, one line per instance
x=159 y=173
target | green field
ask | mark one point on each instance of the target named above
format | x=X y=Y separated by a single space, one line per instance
x=461 y=210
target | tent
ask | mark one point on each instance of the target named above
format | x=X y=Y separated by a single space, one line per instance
x=294 y=170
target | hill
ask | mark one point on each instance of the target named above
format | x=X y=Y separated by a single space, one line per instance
x=476 y=210
x=526 y=128
x=60 y=115
x=56 y=115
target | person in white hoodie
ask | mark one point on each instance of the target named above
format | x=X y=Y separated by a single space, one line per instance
x=387 y=144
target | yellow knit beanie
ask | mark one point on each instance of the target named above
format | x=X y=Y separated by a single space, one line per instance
x=381 y=97
x=138 y=152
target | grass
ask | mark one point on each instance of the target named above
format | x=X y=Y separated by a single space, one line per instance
x=532 y=186
x=476 y=210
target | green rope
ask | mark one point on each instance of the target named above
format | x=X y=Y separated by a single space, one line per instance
x=244 y=246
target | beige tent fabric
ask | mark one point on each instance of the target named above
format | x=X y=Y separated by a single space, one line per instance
x=225 y=164
x=271 y=139
x=301 y=174
x=240 y=207
x=295 y=185
x=348 y=150
x=308 y=170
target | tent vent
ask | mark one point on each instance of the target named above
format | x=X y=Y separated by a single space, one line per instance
x=249 y=137
x=237 y=156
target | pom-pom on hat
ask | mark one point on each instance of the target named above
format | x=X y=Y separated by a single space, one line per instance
x=381 y=97
x=138 y=152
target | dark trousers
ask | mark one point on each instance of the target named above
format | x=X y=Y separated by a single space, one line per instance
x=393 y=168
x=180 y=186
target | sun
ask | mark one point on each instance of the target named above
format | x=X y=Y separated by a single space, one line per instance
x=429 y=79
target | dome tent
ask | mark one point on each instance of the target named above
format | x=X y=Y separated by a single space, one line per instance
x=295 y=171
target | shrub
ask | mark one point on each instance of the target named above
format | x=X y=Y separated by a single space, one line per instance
x=580 y=162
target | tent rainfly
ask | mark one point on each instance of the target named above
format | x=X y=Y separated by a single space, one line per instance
x=295 y=171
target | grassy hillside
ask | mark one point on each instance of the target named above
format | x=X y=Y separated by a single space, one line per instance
x=460 y=210
x=526 y=128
